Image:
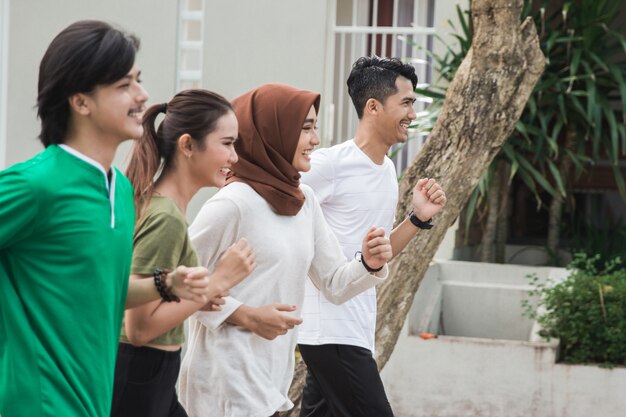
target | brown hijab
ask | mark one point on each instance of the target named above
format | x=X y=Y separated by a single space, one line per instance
x=270 y=122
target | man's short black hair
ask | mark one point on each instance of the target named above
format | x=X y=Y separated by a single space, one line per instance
x=375 y=77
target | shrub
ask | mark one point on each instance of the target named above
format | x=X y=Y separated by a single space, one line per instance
x=587 y=311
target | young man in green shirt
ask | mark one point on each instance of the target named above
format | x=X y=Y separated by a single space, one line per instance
x=66 y=227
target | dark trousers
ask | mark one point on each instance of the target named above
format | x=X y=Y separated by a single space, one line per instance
x=342 y=381
x=145 y=383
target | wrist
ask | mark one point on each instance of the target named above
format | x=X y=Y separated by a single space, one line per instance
x=242 y=317
x=417 y=222
x=169 y=281
x=164 y=290
x=359 y=256
x=219 y=282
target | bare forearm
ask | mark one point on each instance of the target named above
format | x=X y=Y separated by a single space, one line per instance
x=143 y=325
x=240 y=317
x=402 y=235
x=141 y=291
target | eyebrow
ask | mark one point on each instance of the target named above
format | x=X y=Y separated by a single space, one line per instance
x=413 y=99
x=130 y=76
x=308 y=121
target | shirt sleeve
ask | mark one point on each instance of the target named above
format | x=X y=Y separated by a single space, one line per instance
x=337 y=279
x=321 y=176
x=213 y=231
x=158 y=243
x=18 y=208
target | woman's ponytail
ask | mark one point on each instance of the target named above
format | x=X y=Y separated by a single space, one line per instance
x=145 y=160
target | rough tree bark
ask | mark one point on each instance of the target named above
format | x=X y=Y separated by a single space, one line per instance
x=502 y=228
x=493 y=204
x=482 y=104
x=493 y=247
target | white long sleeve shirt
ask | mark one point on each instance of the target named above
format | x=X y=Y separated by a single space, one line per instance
x=229 y=371
x=355 y=194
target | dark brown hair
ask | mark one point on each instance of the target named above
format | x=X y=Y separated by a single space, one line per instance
x=82 y=56
x=194 y=112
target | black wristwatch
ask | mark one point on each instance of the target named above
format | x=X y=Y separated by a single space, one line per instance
x=418 y=223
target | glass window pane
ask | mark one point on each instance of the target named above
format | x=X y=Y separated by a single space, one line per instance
x=190 y=60
x=192 y=5
x=187 y=84
x=192 y=30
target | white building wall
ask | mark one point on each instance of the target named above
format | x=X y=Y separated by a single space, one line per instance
x=34 y=23
x=249 y=43
x=4 y=51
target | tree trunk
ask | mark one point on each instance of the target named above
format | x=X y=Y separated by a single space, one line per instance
x=502 y=227
x=493 y=208
x=482 y=104
x=556 y=205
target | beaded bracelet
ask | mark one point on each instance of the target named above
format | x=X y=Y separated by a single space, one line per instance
x=159 y=282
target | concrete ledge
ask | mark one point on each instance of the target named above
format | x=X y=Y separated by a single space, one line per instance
x=486 y=376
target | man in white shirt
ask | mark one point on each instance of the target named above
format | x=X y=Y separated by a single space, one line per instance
x=356 y=185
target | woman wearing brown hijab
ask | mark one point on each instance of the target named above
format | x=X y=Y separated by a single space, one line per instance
x=240 y=360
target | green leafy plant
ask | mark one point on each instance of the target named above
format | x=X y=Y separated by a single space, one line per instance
x=575 y=115
x=593 y=235
x=586 y=311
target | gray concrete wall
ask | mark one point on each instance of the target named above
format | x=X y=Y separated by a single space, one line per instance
x=34 y=23
x=485 y=371
x=248 y=43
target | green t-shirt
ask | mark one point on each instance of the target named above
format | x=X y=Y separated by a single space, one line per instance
x=65 y=253
x=161 y=241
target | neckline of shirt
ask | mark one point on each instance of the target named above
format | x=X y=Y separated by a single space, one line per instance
x=369 y=160
x=90 y=161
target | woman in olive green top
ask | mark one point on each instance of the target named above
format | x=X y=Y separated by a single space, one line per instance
x=192 y=148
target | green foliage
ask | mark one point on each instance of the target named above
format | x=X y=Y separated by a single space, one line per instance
x=587 y=311
x=593 y=235
x=582 y=91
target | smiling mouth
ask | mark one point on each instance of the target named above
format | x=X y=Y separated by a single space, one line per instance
x=225 y=170
x=137 y=112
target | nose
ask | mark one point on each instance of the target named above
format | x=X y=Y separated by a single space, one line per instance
x=315 y=138
x=142 y=94
x=233 y=156
x=412 y=114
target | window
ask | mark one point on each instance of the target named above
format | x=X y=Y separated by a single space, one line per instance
x=190 y=36
x=387 y=28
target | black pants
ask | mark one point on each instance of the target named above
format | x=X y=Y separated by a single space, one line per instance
x=342 y=381
x=145 y=383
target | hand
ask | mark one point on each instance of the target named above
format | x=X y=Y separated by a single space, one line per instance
x=376 y=248
x=428 y=199
x=271 y=321
x=215 y=303
x=236 y=263
x=189 y=283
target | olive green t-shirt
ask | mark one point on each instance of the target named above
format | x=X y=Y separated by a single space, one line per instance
x=161 y=241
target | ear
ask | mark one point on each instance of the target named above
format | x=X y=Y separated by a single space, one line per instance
x=185 y=145
x=79 y=103
x=372 y=106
